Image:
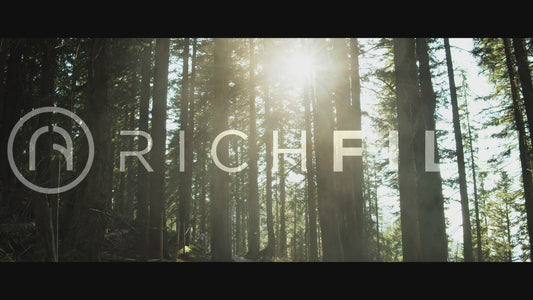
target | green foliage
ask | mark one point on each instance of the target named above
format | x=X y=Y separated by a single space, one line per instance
x=392 y=243
x=505 y=214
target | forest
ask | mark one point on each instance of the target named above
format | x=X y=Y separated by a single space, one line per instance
x=198 y=149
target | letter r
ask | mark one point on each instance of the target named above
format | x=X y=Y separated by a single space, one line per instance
x=139 y=154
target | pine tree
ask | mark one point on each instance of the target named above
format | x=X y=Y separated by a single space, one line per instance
x=157 y=178
x=310 y=177
x=496 y=58
x=282 y=236
x=526 y=85
x=407 y=95
x=86 y=236
x=502 y=215
x=42 y=206
x=187 y=123
x=269 y=251
x=433 y=239
x=143 y=175
x=253 y=196
x=328 y=208
x=13 y=96
x=525 y=158
x=220 y=237
x=349 y=182
x=467 y=233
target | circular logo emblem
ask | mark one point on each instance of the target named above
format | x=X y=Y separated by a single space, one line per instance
x=20 y=123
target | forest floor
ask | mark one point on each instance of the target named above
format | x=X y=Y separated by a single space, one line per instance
x=193 y=253
x=120 y=245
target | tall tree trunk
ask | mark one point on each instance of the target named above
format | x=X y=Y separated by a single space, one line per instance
x=42 y=204
x=123 y=205
x=253 y=196
x=244 y=220
x=220 y=238
x=479 y=246
x=282 y=237
x=306 y=230
x=74 y=78
x=349 y=182
x=12 y=111
x=3 y=63
x=185 y=179
x=238 y=209
x=327 y=205
x=524 y=73
x=378 y=235
x=189 y=132
x=192 y=99
x=482 y=197
x=131 y=178
x=201 y=158
x=467 y=231
x=525 y=158
x=358 y=173
x=236 y=203
x=202 y=174
x=42 y=208
x=157 y=177
x=294 y=231
x=343 y=182
x=94 y=200
x=407 y=95
x=276 y=218
x=508 y=234
x=143 y=187
x=269 y=251
x=433 y=240
x=310 y=176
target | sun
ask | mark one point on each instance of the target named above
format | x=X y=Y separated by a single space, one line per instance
x=300 y=65
x=292 y=60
